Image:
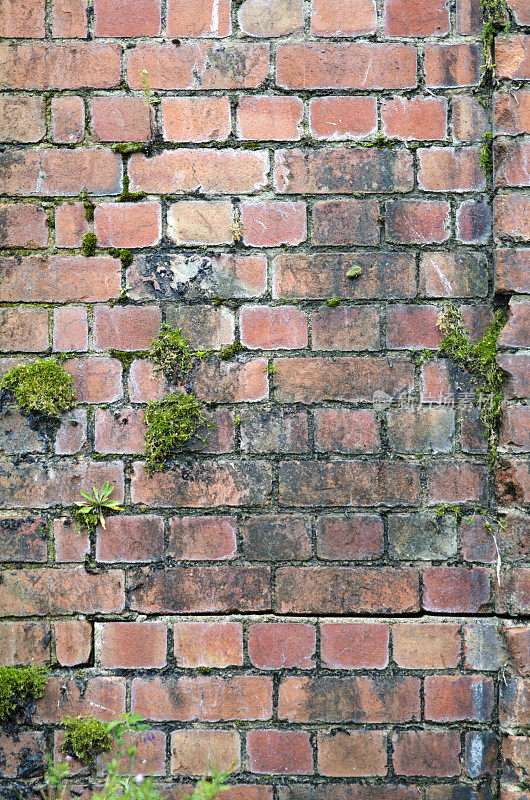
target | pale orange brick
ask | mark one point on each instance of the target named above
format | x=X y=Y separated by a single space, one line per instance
x=127 y=18
x=133 y=645
x=192 y=222
x=426 y=645
x=120 y=119
x=69 y=19
x=268 y=18
x=21 y=118
x=198 y=18
x=128 y=224
x=342 y=117
x=73 y=642
x=196 y=119
x=346 y=18
x=269 y=118
x=208 y=644
x=269 y=328
x=22 y=19
x=70 y=225
x=23 y=225
x=416 y=17
x=193 y=751
x=273 y=223
x=415 y=118
x=68 y=119
x=57 y=65
x=70 y=328
x=70 y=544
x=125 y=327
x=202 y=538
x=72 y=433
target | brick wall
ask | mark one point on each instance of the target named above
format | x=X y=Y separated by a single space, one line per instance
x=298 y=596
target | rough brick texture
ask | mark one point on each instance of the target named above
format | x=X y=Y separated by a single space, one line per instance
x=331 y=593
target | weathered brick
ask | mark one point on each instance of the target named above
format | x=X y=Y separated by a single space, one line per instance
x=358 y=537
x=483 y=646
x=515 y=432
x=342 y=117
x=193 y=751
x=514 y=702
x=413 y=753
x=96 y=380
x=276 y=537
x=119 y=119
x=415 y=118
x=354 y=645
x=22 y=755
x=23 y=539
x=512 y=270
x=346 y=328
x=346 y=590
x=126 y=18
x=125 y=328
x=512 y=216
x=130 y=538
x=128 y=224
x=449 y=698
x=516 y=757
x=69 y=19
x=443 y=169
x=24 y=642
x=52 y=65
x=517 y=641
x=203 y=698
x=340 y=222
x=412 y=327
x=70 y=545
x=448 y=65
x=202 y=538
x=220 y=381
x=50 y=172
x=198 y=18
x=68 y=119
x=21 y=118
x=133 y=645
x=182 y=590
x=101 y=697
x=281 y=645
x=348 y=18
x=343 y=754
x=349 y=699
x=512 y=56
x=355 y=65
x=55 y=279
x=208 y=65
x=16 y=436
x=427 y=645
x=199 y=222
x=208 y=644
x=469 y=18
x=266 y=18
x=470 y=119
x=512 y=112
x=271 y=328
x=453 y=590
x=70 y=225
x=262 y=117
x=23 y=329
x=481 y=752
x=280 y=752
x=273 y=430
x=456 y=483
x=23 y=225
x=70 y=328
x=512 y=481
x=417 y=221
x=272 y=223
x=22 y=19
x=415 y=18
x=346 y=431
x=73 y=642
x=195 y=119
x=454 y=275
x=510 y=160
x=330 y=171
x=473 y=222
x=516 y=332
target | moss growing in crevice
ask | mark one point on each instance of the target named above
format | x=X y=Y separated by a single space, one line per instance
x=126 y=357
x=170 y=424
x=126 y=196
x=171 y=353
x=89 y=244
x=19 y=688
x=126 y=258
x=125 y=148
x=332 y=302
x=85 y=738
x=495 y=20
x=479 y=358
x=227 y=353
x=42 y=386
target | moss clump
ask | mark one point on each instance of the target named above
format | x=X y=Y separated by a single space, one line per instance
x=495 y=20
x=126 y=258
x=126 y=196
x=486 y=153
x=332 y=302
x=89 y=244
x=171 y=353
x=43 y=386
x=354 y=272
x=228 y=353
x=85 y=738
x=18 y=687
x=125 y=148
x=171 y=423
x=479 y=359
x=126 y=357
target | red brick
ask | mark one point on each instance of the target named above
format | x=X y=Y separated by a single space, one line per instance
x=339 y=222
x=97 y=380
x=514 y=702
x=206 y=65
x=70 y=328
x=128 y=224
x=68 y=119
x=46 y=592
x=352 y=65
x=273 y=430
x=192 y=222
x=448 y=65
x=349 y=699
x=197 y=590
x=512 y=57
x=203 y=326
x=276 y=537
x=354 y=791
x=304 y=380
x=321 y=276
x=355 y=537
x=269 y=328
x=469 y=17
x=470 y=119
x=126 y=18
x=23 y=329
x=426 y=645
x=342 y=117
x=133 y=645
x=139 y=538
x=23 y=540
x=520 y=12
x=281 y=645
x=454 y=275
x=51 y=172
x=354 y=645
x=348 y=18
x=356 y=590
x=516 y=332
x=196 y=119
x=414 y=751
x=24 y=642
x=120 y=119
x=203 y=698
x=473 y=222
x=412 y=327
x=16 y=436
x=343 y=754
x=70 y=225
x=23 y=754
x=512 y=484
x=194 y=751
x=22 y=19
x=21 y=118
x=212 y=171
x=150 y=755
x=512 y=270
x=325 y=171
x=456 y=483
x=70 y=543
x=119 y=431
x=279 y=752
x=265 y=19
x=125 y=328
x=346 y=328
x=518 y=645
x=198 y=18
x=101 y=697
x=208 y=644
x=444 y=169
x=515 y=432
x=232 y=381
x=512 y=112
x=23 y=225
x=52 y=65
x=202 y=538
x=449 y=698
x=415 y=18
x=69 y=19
x=415 y=118
x=73 y=642
x=346 y=431
x=510 y=161
x=428 y=430
x=516 y=757
x=272 y=223
x=261 y=117
x=453 y=590
x=417 y=221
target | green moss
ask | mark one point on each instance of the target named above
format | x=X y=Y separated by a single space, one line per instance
x=126 y=357
x=126 y=258
x=125 y=148
x=170 y=424
x=89 y=244
x=479 y=358
x=486 y=153
x=171 y=353
x=18 y=687
x=332 y=302
x=85 y=738
x=43 y=386
x=126 y=196
x=354 y=271
x=380 y=141
x=227 y=353
x=88 y=206
x=495 y=19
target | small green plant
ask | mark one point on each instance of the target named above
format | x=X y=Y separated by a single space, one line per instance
x=126 y=258
x=127 y=196
x=479 y=358
x=19 y=686
x=486 y=153
x=171 y=423
x=171 y=353
x=91 y=510
x=146 y=83
x=43 y=386
x=495 y=20
x=270 y=369
x=332 y=302
x=354 y=271
x=88 y=206
x=228 y=353
x=209 y=786
x=85 y=737
x=89 y=244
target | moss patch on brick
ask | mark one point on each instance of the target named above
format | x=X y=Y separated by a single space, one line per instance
x=20 y=687
x=85 y=738
x=171 y=423
x=43 y=386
